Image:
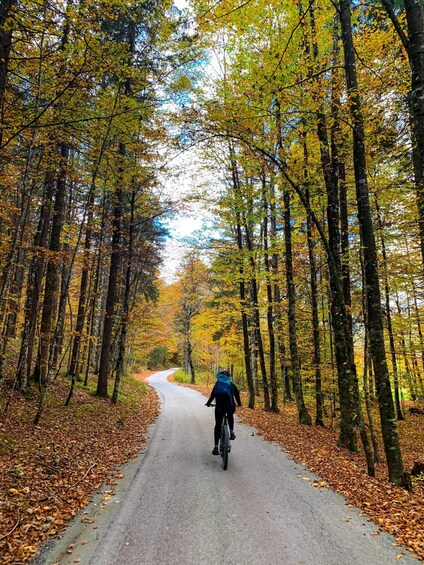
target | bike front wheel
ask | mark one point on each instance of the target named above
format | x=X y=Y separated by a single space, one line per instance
x=225 y=444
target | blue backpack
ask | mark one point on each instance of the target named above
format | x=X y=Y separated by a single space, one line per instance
x=223 y=389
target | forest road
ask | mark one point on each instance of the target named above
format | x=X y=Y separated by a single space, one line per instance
x=181 y=507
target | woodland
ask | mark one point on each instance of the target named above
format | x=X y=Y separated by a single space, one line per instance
x=297 y=130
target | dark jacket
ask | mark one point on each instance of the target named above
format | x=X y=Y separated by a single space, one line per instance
x=223 y=402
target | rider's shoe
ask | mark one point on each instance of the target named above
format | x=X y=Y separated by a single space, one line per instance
x=215 y=450
x=232 y=435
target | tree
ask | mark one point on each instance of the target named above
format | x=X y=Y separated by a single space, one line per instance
x=193 y=289
x=371 y=272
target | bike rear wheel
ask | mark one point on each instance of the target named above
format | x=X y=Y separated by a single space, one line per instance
x=225 y=441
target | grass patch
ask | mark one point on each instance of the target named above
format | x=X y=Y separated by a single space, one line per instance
x=181 y=377
x=203 y=378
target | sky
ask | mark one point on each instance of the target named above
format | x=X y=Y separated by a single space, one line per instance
x=187 y=178
x=180 y=228
x=192 y=177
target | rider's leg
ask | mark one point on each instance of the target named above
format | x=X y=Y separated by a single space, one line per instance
x=230 y=417
x=219 y=416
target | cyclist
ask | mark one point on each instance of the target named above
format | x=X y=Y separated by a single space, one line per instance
x=224 y=392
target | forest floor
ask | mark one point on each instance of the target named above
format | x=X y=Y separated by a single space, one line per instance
x=393 y=509
x=48 y=472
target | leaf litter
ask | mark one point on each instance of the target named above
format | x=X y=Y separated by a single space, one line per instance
x=49 y=471
x=393 y=509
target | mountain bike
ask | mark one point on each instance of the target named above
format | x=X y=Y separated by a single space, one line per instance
x=224 y=442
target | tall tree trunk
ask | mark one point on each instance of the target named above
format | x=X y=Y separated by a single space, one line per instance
x=413 y=43
x=256 y=317
x=34 y=285
x=399 y=413
x=303 y=414
x=83 y=294
x=285 y=381
x=94 y=315
x=340 y=303
x=51 y=289
x=15 y=299
x=408 y=370
x=418 y=320
x=368 y=406
x=59 y=332
x=52 y=279
x=6 y=8
x=125 y=305
x=242 y=283
x=319 y=398
x=114 y=268
x=115 y=261
x=415 y=20
x=416 y=375
x=270 y=308
x=397 y=474
x=343 y=341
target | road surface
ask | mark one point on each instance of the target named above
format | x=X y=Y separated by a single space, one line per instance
x=178 y=506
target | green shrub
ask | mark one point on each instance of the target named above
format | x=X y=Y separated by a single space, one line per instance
x=181 y=377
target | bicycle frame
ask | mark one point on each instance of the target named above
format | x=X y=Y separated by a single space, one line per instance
x=224 y=441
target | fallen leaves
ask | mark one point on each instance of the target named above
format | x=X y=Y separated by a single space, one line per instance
x=48 y=472
x=393 y=509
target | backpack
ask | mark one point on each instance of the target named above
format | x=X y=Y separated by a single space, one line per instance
x=223 y=390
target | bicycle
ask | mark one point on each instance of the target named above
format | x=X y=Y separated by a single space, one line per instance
x=224 y=442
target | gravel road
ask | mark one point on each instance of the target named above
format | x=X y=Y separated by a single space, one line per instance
x=178 y=506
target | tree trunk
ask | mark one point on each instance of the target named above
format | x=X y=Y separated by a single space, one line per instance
x=34 y=285
x=83 y=295
x=52 y=279
x=319 y=399
x=303 y=414
x=115 y=261
x=397 y=474
x=285 y=381
x=15 y=297
x=408 y=370
x=92 y=315
x=256 y=317
x=270 y=308
x=368 y=400
x=125 y=306
x=415 y=20
x=340 y=302
x=242 y=284
x=399 y=413
x=52 y=272
x=343 y=341
x=6 y=8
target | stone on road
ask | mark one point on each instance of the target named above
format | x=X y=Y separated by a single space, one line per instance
x=182 y=508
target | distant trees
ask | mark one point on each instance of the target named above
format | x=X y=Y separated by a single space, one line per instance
x=192 y=294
